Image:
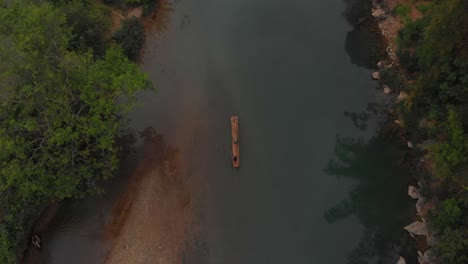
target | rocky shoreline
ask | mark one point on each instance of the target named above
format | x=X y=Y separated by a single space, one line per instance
x=389 y=25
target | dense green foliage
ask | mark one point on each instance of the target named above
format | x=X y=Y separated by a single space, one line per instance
x=60 y=109
x=89 y=24
x=130 y=37
x=452 y=153
x=433 y=51
x=449 y=225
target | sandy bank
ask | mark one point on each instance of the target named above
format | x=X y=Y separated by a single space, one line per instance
x=153 y=221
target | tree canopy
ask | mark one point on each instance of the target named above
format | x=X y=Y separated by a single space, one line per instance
x=61 y=109
x=434 y=52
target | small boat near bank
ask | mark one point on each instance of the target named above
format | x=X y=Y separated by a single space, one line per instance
x=235 y=141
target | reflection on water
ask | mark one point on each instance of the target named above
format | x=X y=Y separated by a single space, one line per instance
x=378 y=199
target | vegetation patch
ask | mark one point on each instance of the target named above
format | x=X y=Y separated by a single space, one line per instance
x=424 y=8
x=433 y=51
x=403 y=11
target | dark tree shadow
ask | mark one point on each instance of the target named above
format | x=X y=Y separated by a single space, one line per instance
x=378 y=199
x=362 y=42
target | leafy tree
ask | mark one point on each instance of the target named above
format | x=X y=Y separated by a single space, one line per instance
x=452 y=246
x=451 y=232
x=451 y=154
x=89 y=24
x=448 y=214
x=60 y=114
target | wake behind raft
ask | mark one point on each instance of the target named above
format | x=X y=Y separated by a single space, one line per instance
x=235 y=141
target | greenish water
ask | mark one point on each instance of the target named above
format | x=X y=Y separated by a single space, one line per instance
x=290 y=70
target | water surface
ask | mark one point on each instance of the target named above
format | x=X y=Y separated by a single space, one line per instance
x=290 y=70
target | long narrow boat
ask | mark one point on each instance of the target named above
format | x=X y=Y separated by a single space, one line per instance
x=235 y=141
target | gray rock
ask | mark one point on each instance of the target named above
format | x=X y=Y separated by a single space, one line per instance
x=410 y=144
x=413 y=192
x=417 y=228
x=376 y=75
x=401 y=260
x=378 y=12
x=402 y=96
x=380 y=64
x=387 y=89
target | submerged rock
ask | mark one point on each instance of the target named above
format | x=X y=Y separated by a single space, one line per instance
x=361 y=20
x=413 y=192
x=376 y=75
x=417 y=228
x=401 y=260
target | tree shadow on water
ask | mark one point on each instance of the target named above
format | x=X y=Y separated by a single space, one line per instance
x=378 y=198
x=362 y=42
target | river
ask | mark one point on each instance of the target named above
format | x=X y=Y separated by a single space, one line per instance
x=290 y=70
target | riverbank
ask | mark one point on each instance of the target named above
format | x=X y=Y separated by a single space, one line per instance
x=115 y=14
x=155 y=219
x=152 y=222
x=402 y=27
x=389 y=25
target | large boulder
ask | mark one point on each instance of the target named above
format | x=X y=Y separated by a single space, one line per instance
x=417 y=228
x=413 y=192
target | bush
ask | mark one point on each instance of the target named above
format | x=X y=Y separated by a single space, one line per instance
x=452 y=236
x=447 y=215
x=449 y=155
x=131 y=37
x=412 y=34
x=403 y=11
x=89 y=23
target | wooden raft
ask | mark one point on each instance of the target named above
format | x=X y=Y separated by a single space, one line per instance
x=235 y=141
